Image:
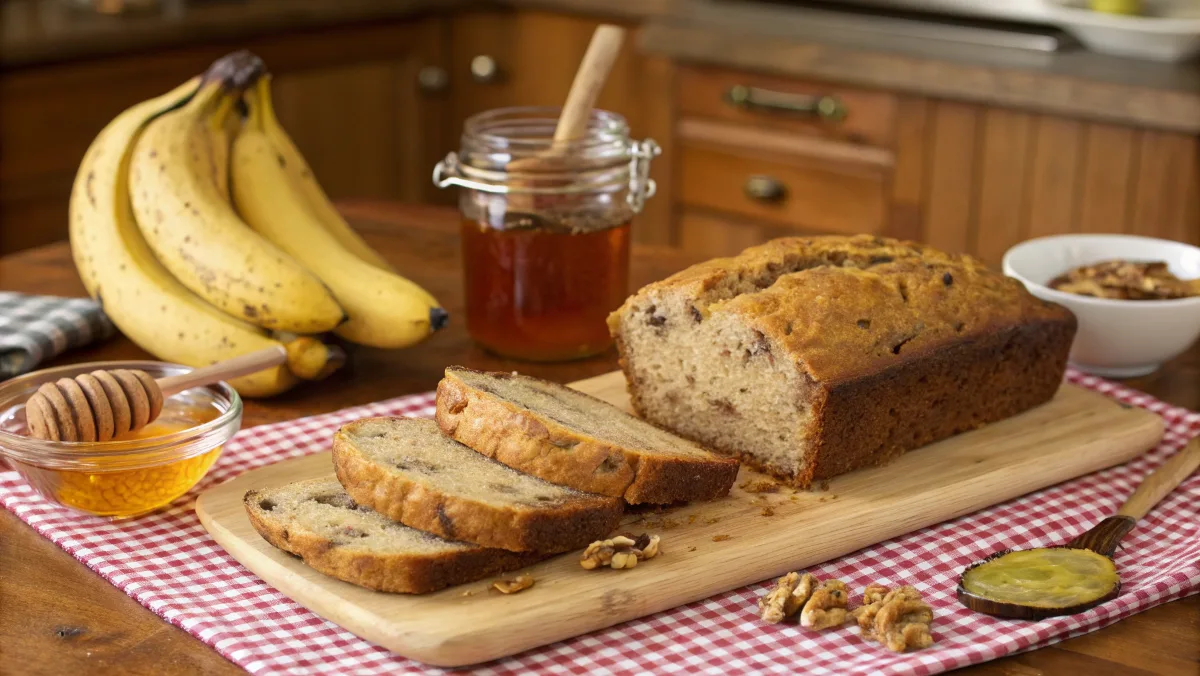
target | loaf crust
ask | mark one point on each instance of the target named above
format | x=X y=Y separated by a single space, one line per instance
x=536 y=444
x=411 y=572
x=568 y=519
x=888 y=345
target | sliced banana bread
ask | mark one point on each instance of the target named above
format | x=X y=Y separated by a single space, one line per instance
x=570 y=438
x=810 y=357
x=407 y=470
x=317 y=521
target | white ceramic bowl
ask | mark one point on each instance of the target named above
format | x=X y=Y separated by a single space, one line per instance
x=1116 y=338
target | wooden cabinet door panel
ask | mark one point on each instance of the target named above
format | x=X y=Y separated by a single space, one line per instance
x=816 y=195
x=870 y=115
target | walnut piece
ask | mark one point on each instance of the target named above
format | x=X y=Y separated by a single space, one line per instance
x=621 y=552
x=1125 y=280
x=899 y=619
x=514 y=585
x=788 y=596
x=826 y=607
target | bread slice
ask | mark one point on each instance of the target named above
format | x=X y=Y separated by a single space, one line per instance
x=569 y=438
x=407 y=470
x=317 y=521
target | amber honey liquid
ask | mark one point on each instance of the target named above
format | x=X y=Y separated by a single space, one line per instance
x=121 y=492
x=542 y=292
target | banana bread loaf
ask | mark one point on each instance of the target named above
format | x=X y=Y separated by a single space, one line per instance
x=811 y=357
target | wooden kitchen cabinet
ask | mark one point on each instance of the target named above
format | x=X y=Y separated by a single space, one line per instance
x=963 y=177
x=349 y=97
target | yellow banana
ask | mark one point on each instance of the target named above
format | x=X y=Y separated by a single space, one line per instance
x=199 y=237
x=383 y=308
x=303 y=180
x=141 y=297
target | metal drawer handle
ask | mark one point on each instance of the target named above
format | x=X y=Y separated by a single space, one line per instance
x=765 y=189
x=485 y=69
x=825 y=107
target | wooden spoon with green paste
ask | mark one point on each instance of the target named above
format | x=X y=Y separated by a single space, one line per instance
x=1035 y=583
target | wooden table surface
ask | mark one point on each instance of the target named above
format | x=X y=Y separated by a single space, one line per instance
x=57 y=617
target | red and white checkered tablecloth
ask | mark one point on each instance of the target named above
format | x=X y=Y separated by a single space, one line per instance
x=169 y=564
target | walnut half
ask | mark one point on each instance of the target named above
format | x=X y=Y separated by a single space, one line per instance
x=900 y=619
x=826 y=608
x=621 y=552
x=788 y=596
x=514 y=585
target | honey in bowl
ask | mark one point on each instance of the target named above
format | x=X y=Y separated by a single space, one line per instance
x=113 y=485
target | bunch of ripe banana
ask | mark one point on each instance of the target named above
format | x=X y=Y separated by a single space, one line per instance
x=201 y=230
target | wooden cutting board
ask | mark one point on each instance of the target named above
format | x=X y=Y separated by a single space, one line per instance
x=1076 y=433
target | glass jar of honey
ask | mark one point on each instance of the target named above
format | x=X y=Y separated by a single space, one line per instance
x=546 y=229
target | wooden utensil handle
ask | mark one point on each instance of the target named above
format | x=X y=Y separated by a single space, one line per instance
x=230 y=368
x=1163 y=480
x=589 y=80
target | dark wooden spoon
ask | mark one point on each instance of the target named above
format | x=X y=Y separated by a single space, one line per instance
x=1102 y=539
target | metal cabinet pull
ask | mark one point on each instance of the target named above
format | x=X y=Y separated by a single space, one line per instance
x=484 y=69
x=753 y=98
x=433 y=79
x=765 y=189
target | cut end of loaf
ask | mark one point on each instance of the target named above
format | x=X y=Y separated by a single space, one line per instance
x=718 y=382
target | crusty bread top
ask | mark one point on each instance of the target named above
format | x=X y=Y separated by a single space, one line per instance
x=844 y=306
x=417 y=450
x=582 y=414
x=321 y=508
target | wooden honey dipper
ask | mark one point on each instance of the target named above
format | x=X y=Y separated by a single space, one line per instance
x=100 y=405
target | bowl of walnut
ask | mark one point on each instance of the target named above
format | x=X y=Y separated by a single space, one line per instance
x=1137 y=299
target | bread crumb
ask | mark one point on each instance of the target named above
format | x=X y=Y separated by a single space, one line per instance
x=692 y=518
x=469 y=592
x=824 y=485
x=793 y=498
x=759 y=486
x=721 y=538
x=691 y=549
x=713 y=520
x=767 y=511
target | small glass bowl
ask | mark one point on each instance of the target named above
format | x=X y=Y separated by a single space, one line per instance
x=119 y=478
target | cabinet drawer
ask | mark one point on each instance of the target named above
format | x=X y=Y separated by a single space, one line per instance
x=801 y=192
x=867 y=117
